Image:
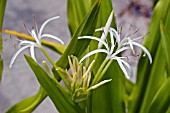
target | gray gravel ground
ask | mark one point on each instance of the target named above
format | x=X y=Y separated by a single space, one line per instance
x=19 y=82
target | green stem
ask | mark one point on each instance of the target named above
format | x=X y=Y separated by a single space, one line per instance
x=104 y=70
x=96 y=78
x=48 y=57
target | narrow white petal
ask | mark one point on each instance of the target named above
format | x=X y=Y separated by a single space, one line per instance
x=92 y=53
x=44 y=24
x=128 y=66
x=106 y=29
x=123 y=68
x=119 y=51
x=16 y=54
x=112 y=43
x=35 y=37
x=131 y=45
x=32 y=52
x=100 y=83
x=99 y=29
x=115 y=34
x=144 y=49
x=53 y=37
x=141 y=37
x=97 y=39
x=25 y=42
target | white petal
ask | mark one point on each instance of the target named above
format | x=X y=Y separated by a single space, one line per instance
x=32 y=52
x=106 y=29
x=131 y=45
x=100 y=83
x=35 y=37
x=123 y=68
x=93 y=52
x=99 y=29
x=16 y=54
x=25 y=42
x=53 y=37
x=128 y=66
x=44 y=24
x=141 y=37
x=119 y=51
x=95 y=38
x=144 y=49
x=115 y=34
x=112 y=43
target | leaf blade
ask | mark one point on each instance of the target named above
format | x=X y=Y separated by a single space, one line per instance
x=28 y=104
x=2 y=11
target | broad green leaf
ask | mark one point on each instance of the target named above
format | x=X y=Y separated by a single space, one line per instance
x=160 y=103
x=61 y=100
x=168 y=111
x=166 y=46
x=152 y=42
x=155 y=81
x=54 y=46
x=29 y=104
x=2 y=11
x=110 y=97
x=77 y=47
x=76 y=11
x=155 y=2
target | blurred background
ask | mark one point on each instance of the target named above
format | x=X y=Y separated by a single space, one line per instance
x=19 y=82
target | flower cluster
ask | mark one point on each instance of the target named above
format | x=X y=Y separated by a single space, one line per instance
x=116 y=47
x=37 y=35
x=78 y=83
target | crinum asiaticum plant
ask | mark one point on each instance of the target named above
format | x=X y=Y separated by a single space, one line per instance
x=81 y=82
x=96 y=77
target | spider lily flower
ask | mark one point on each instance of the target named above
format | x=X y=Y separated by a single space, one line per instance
x=112 y=53
x=37 y=35
x=78 y=83
x=106 y=29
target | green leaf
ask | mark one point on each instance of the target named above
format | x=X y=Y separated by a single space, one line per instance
x=29 y=104
x=157 y=78
x=76 y=11
x=61 y=100
x=160 y=103
x=166 y=46
x=2 y=11
x=110 y=97
x=152 y=42
x=77 y=47
x=54 y=46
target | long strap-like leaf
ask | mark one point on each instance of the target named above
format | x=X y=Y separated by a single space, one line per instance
x=2 y=10
x=29 y=104
x=139 y=99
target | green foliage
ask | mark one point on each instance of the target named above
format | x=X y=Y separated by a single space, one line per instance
x=29 y=104
x=86 y=27
x=2 y=10
x=160 y=102
x=61 y=100
x=149 y=94
x=150 y=77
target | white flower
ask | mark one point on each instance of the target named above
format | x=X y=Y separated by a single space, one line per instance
x=112 y=52
x=37 y=35
x=109 y=51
